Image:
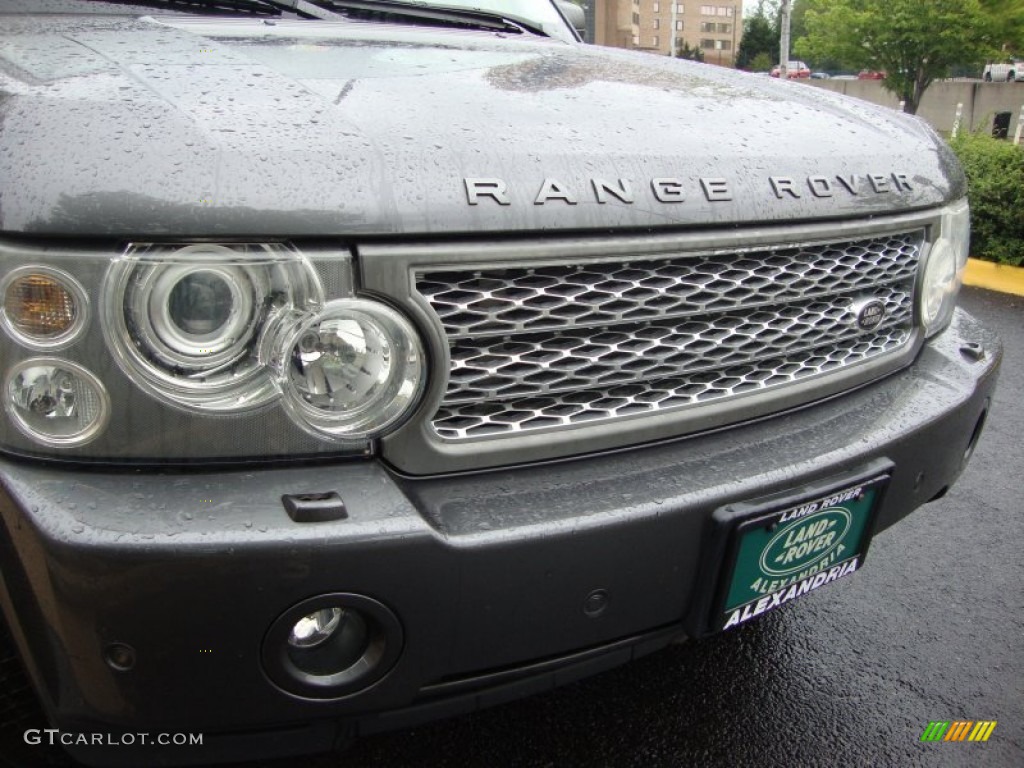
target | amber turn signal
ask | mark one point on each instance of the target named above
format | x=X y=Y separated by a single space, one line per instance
x=40 y=306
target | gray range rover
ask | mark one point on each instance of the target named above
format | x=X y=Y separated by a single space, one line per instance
x=368 y=362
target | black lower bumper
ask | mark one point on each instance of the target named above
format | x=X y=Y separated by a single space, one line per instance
x=501 y=583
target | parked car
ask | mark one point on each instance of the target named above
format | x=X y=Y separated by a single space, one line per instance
x=871 y=74
x=794 y=70
x=370 y=364
x=1009 y=71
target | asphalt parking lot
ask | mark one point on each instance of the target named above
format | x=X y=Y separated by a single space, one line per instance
x=931 y=629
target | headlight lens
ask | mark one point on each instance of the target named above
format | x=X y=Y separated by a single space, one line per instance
x=187 y=322
x=206 y=310
x=938 y=284
x=352 y=369
x=944 y=268
x=56 y=403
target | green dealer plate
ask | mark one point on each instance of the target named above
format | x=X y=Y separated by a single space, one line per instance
x=784 y=549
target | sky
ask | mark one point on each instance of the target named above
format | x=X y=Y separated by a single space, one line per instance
x=749 y=6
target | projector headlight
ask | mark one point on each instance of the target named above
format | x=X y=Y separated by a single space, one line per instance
x=944 y=268
x=186 y=322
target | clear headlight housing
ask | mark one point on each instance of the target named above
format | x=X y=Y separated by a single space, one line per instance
x=943 y=270
x=185 y=322
x=191 y=352
x=353 y=368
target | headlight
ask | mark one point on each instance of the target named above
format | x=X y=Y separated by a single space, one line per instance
x=195 y=352
x=352 y=369
x=186 y=322
x=944 y=268
x=56 y=403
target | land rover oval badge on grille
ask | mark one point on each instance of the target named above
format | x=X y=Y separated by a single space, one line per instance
x=869 y=313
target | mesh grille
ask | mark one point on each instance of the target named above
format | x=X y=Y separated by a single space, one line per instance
x=555 y=346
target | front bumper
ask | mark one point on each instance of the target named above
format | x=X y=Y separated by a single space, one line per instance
x=489 y=574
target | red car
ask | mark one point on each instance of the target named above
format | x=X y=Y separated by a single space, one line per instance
x=794 y=69
x=870 y=74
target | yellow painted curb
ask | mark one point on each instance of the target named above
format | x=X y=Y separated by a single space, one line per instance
x=995 y=277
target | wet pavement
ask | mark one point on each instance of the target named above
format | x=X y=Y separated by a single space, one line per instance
x=931 y=629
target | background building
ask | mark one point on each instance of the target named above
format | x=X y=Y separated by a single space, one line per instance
x=714 y=27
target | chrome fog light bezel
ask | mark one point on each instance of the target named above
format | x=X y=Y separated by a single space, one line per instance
x=308 y=672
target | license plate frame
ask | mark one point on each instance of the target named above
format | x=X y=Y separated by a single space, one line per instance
x=794 y=524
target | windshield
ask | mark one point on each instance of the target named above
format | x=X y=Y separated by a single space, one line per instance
x=535 y=15
x=541 y=12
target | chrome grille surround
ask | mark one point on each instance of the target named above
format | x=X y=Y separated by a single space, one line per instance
x=555 y=346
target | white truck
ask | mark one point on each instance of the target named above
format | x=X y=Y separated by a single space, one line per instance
x=1007 y=72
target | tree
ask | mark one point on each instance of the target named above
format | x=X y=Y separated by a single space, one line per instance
x=914 y=42
x=762 y=62
x=686 y=52
x=1009 y=17
x=798 y=29
x=760 y=36
x=798 y=19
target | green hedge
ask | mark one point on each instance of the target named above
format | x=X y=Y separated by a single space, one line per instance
x=995 y=181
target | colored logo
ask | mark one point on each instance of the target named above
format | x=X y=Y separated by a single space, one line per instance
x=958 y=730
x=813 y=538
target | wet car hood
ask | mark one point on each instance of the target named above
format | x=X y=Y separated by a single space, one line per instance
x=138 y=126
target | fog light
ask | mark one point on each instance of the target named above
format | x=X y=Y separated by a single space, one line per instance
x=332 y=645
x=43 y=307
x=315 y=628
x=328 y=642
x=56 y=403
